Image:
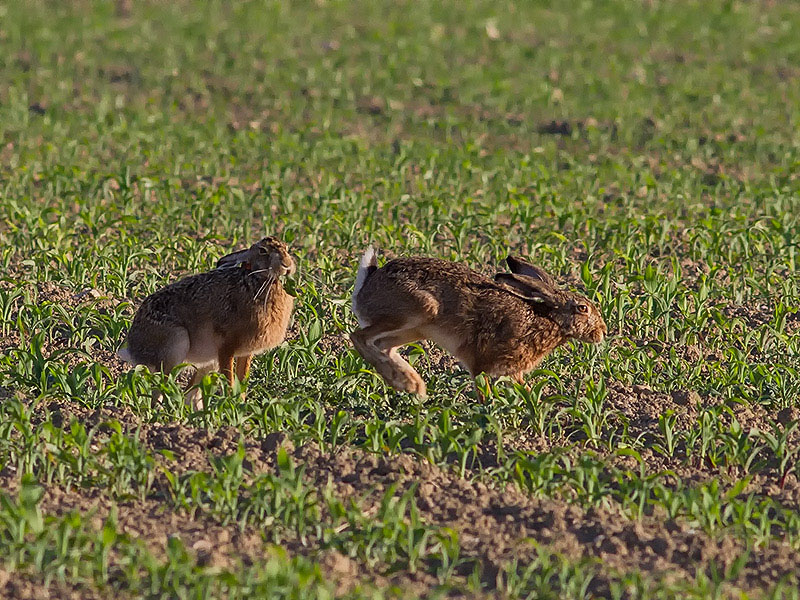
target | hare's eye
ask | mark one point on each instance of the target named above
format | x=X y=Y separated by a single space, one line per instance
x=582 y=308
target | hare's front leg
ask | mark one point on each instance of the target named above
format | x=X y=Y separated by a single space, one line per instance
x=226 y=358
x=378 y=345
x=226 y=363
x=518 y=377
x=243 y=366
x=242 y=369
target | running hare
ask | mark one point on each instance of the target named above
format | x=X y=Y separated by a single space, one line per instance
x=504 y=326
x=235 y=311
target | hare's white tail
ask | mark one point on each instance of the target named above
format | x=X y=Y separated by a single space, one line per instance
x=125 y=355
x=369 y=262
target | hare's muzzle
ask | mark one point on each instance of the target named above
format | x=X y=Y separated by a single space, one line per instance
x=600 y=333
x=288 y=267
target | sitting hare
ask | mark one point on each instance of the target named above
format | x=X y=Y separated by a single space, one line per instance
x=233 y=312
x=504 y=326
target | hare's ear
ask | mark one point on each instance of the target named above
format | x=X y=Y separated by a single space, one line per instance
x=523 y=267
x=234 y=259
x=528 y=288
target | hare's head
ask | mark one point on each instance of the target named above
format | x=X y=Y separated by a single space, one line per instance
x=575 y=314
x=269 y=256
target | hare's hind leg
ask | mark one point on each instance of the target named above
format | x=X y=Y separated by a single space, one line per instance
x=166 y=349
x=174 y=348
x=194 y=397
x=378 y=345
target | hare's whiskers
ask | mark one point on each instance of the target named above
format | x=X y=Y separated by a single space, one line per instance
x=259 y=290
x=257 y=271
x=271 y=280
x=267 y=283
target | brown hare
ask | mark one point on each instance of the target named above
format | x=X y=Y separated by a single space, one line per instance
x=232 y=312
x=504 y=326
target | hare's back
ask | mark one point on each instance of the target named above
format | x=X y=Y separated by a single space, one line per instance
x=431 y=271
x=200 y=297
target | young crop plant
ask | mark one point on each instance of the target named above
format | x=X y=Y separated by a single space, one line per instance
x=784 y=453
x=666 y=426
x=277 y=503
x=549 y=575
x=545 y=412
x=590 y=412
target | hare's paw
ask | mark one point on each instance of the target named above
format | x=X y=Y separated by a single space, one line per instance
x=408 y=380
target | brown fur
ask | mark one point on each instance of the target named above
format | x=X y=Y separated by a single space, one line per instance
x=501 y=327
x=218 y=318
